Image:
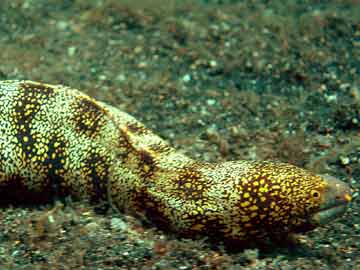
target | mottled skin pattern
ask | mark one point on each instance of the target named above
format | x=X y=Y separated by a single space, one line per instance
x=56 y=141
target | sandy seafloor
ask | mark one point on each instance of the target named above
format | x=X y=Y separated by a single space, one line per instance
x=220 y=80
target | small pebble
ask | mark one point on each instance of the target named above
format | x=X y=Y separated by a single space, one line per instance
x=62 y=25
x=102 y=77
x=51 y=219
x=142 y=64
x=186 y=78
x=71 y=50
x=16 y=252
x=92 y=228
x=118 y=224
x=344 y=86
x=344 y=160
x=121 y=78
x=211 y=102
x=213 y=63
x=330 y=98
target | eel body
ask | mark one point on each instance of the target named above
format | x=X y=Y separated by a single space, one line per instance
x=57 y=141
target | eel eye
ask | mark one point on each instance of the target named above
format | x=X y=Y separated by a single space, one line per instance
x=315 y=194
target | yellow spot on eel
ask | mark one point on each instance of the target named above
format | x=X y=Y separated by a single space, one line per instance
x=55 y=140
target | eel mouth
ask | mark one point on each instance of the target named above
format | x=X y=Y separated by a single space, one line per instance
x=324 y=216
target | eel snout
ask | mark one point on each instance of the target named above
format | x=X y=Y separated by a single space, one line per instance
x=334 y=202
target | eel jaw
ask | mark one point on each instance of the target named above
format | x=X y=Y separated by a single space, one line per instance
x=335 y=201
x=324 y=216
